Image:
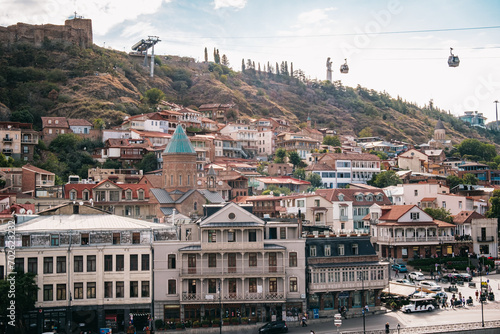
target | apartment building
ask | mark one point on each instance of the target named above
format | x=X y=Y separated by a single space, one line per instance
x=231 y=258
x=94 y=269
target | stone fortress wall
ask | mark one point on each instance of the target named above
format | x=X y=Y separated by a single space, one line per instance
x=77 y=31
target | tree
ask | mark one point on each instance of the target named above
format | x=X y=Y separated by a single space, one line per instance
x=98 y=124
x=279 y=155
x=440 y=214
x=294 y=158
x=452 y=181
x=315 y=180
x=494 y=211
x=470 y=179
x=148 y=163
x=206 y=55
x=366 y=132
x=26 y=291
x=225 y=61
x=154 y=96
x=332 y=141
x=22 y=116
x=385 y=179
x=243 y=65
x=299 y=173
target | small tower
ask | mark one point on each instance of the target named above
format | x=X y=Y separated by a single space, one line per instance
x=211 y=179
x=439 y=132
x=179 y=163
x=309 y=122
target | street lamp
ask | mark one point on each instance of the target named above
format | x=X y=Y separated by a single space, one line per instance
x=363 y=299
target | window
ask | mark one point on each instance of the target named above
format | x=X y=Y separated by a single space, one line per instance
x=108 y=262
x=141 y=195
x=171 y=261
x=354 y=249
x=172 y=285
x=48 y=292
x=252 y=285
x=145 y=262
x=61 y=292
x=328 y=250
x=108 y=289
x=312 y=251
x=273 y=285
x=26 y=241
x=134 y=262
x=120 y=289
x=293 y=284
x=116 y=238
x=231 y=236
x=72 y=195
x=86 y=195
x=91 y=263
x=231 y=286
x=341 y=249
x=84 y=238
x=300 y=203
x=136 y=238
x=459 y=204
x=415 y=192
x=54 y=240
x=120 y=262
x=212 y=236
x=415 y=215
x=443 y=204
x=134 y=289
x=252 y=259
x=78 y=291
x=192 y=263
x=61 y=264
x=32 y=265
x=273 y=233
x=145 y=289
x=282 y=232
x=273 y=262
x=91 y=290
x=128 y=195
x=78 y=264
x=48 y=265
x=231 y=262
x=292 y=259
x=212 y=260
x=19 y=264
x=212 y=285
x=252 y=236
x=114 y=196
x=316 y=202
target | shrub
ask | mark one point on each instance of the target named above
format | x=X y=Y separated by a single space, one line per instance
x=159 y=323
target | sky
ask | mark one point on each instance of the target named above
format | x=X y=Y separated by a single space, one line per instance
x=397 y=46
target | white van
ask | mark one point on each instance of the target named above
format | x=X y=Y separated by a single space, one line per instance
x=419 y=305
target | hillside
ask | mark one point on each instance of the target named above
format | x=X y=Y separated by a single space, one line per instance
x=66 y=80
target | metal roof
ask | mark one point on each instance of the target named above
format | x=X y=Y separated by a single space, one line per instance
x=162 y=196
x=212 y=196
x=191 y=248
x=179 y=143
x=273 y=246
x=167 y=211
x=232 y=224
x=346 y=264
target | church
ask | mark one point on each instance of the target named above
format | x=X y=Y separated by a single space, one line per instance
x=179 y=193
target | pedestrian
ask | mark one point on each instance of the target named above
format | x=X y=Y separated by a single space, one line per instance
x=387 y=327
x=397 y=273
x=477 y=295
x=312 y=332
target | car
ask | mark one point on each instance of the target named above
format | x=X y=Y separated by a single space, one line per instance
x=464 y=277
x=403 y=281
x=429 y=285
x=399 y=267
x=274 y=327
x=441 y=295
x=418 y=294
x=417 y=276
x=419 y=305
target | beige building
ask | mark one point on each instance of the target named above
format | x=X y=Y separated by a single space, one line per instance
x=231 y=257
x=413 y=160
x=94 y=269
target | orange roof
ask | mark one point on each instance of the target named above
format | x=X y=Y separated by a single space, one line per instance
x=395 y=212
x=429 y=199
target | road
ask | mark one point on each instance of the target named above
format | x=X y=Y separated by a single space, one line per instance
x=491 y=311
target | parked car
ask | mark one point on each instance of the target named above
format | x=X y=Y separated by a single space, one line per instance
x=274 y=327
x=419 y=305
x=466 y=277
x=417 y=276
x=441 y=295
x=429 y=285
x=399 y=267
x=403 y=281
x=418 y=294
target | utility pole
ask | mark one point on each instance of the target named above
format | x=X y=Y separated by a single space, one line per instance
x=496 y=110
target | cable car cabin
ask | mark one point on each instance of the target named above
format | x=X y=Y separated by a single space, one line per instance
x=453 y=61
x=344 y=68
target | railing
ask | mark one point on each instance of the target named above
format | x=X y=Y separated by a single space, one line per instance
x=416 y=239
x=485 y=239
x=350 y=285
x=203 y=271
x=202 y=297
x=7 y=139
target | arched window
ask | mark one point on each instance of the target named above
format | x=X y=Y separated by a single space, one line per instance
x=195 y=206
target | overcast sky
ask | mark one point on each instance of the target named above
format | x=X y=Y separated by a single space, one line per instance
x=400 y=47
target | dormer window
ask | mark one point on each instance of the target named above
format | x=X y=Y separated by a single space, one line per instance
x=57 y=121
x=128 y=194
x=328 y=250
x=341 y=197
x=140 y=194
x=50 y=121
x=354 y=249
x=341 y=249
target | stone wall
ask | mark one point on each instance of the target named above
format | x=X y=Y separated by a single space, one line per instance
x=77 y=31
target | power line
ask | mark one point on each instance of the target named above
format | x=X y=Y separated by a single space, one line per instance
x=355 y=34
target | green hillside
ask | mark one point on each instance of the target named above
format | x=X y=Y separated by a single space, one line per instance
x=65 y=80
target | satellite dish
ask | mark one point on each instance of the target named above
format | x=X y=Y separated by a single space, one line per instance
x=22 y=211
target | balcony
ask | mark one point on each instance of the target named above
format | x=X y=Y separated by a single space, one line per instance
x=7 y=151
x=485 y=239
x=402 y=240
x=345 y=286
x=232 y=271
x=5 y=139
x=246 y=296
